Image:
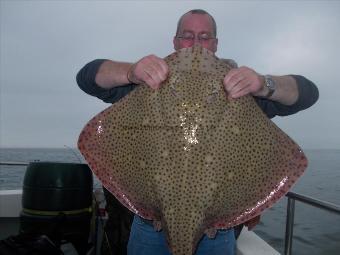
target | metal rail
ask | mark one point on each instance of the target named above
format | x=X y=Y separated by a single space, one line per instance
x=12 y=163
x=290 y=214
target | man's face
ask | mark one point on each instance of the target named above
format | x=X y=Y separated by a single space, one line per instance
x=196 y=29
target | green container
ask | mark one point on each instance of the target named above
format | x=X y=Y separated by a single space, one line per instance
x=57 y=202
x=55 y=186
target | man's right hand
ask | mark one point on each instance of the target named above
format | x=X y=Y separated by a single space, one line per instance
x=150 y=70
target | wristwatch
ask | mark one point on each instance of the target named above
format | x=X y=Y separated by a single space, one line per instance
x=270 y=84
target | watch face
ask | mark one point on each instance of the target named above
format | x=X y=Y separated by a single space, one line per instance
x=270 y=83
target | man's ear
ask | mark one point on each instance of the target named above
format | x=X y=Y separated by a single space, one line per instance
x=175 y=42
x=215 y=46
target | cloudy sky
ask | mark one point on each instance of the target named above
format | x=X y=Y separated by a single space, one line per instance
x=44 y=43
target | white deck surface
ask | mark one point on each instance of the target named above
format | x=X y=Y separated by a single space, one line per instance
x=10 y=203
x=249 y=243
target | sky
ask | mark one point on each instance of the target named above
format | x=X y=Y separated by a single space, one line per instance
x=43 y=44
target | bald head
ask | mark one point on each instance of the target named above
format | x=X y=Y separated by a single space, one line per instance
x=200 y=12
x=196 y=27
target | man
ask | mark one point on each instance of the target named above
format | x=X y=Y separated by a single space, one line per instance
x=276 y=95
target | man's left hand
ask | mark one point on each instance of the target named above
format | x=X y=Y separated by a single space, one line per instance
x=243 y=81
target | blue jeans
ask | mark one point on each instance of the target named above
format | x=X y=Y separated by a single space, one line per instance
x=144 y=240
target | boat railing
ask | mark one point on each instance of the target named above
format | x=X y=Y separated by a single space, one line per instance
x=292 y=197
x=13 y=163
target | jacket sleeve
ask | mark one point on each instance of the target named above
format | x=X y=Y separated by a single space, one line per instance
x=86 y=81
x=308 y=95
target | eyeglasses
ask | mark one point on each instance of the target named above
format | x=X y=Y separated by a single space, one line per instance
x=189 y=37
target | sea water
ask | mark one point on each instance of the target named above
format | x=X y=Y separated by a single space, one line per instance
x=316 y=232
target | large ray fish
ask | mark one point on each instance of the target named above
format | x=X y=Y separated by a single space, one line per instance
x=187 y=156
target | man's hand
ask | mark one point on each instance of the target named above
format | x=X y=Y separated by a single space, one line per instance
x=243 y=81
x=151 y=70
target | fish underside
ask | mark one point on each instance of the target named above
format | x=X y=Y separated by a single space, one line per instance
x=187 y=156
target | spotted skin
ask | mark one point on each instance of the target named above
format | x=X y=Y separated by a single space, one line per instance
x=188 y=156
